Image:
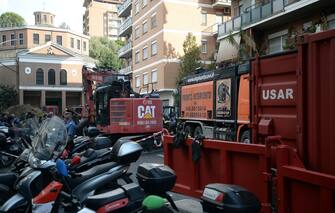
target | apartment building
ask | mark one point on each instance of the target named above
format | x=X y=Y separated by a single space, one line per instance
x=155 y=31
x=101 y=18
x=44 y=62
x=272 y=26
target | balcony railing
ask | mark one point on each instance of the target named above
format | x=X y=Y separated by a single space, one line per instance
x=254 y=14
x=126 y=49
x=125 y=70
x=123 y=8
x=221 y=3
x=125 y=26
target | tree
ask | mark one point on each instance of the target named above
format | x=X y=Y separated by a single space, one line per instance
x=63 y=25
x=190 y=60
x=106 y=52
x=10 y=19
x=8 y=97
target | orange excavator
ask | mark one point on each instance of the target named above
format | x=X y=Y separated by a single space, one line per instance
x=116 y=109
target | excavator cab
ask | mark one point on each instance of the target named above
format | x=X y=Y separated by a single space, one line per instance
x=113 y=88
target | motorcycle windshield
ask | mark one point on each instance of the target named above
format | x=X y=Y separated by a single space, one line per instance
x=29 y=128
x=51 y=139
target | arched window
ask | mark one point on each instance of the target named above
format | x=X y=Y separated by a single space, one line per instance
x=39 y=77
x=51 y=77
x=63 y=77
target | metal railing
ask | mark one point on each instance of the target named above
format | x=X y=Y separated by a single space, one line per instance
x=253 y=15
x=125 y=25
x=123 y=6
x=125 y=70
x=225 y=2
x=126 y=48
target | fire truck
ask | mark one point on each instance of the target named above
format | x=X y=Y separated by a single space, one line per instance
x=115 y=108
x=216 y=103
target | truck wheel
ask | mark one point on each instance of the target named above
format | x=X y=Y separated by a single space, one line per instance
x=198 y=131
x=245 y=137
x=188 y=131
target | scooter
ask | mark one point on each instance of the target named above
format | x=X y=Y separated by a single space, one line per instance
x=156 y=180
x=42 y=174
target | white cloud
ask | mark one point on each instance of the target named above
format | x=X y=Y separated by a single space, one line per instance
x=3 y=6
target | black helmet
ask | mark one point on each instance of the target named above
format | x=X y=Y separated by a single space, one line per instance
x=3 y=138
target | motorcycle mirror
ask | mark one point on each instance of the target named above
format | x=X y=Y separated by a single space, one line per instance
x=153 y=202
x=61 y=168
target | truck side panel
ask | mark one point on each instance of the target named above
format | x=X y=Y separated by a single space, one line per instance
x=197 y=101
x=275 y=98
x=243 y=113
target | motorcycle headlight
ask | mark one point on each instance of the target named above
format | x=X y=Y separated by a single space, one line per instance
x=34 y=162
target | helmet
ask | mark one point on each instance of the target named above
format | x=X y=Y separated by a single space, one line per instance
x=3 y=138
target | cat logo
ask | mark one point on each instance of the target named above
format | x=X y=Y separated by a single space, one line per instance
x=146 y=112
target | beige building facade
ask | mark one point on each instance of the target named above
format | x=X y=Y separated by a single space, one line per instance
x=156 y=35
x=101 y=18
x=44 y=64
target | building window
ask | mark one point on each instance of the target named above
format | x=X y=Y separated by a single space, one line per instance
x=63 y=77
x=36 y=38
x=84 y=45
x=145 y=2
x=51 y=77
x=137 y=32
x=154 y=76
x=331 y=21
x=145 y=26
x=47 y=38
x=277 y=41
x=72 y=42
x=145 y=53
x=137 y=56
x=204 y=18
x=137 y=7
x=137 y=81
x=153 y=48
x=52 y=20
x=45 y=18
x=4 y=40
x=78 y=44
x=145 y=79
x=38 y=18
x=59 y=40
x=39 y=77
x=12 y=40
x=21 y=38
x=204 y=47
x=153 y=21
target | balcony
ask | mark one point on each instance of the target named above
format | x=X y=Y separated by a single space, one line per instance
x=125 y=27
x=257 y=14
x=126 y=51
x=124 y=9
x=126 y=70
x=218 y=4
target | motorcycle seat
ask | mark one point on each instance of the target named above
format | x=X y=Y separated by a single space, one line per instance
x=132 y=192
x=8 y=179
x=96 y=170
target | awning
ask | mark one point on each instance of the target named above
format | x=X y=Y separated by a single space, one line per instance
x=227 y=50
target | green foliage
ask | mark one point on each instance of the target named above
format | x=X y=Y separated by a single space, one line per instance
x=63 y=25
x=8 y=97
x=190 y=61
x=10 y=19
x=106 y=52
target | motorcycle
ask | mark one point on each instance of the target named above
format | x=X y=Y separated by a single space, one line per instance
x=42 y=187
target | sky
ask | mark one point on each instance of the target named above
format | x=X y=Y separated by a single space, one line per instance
x=68 y=11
